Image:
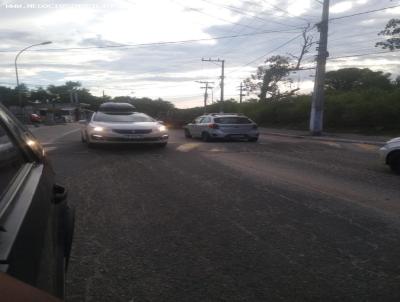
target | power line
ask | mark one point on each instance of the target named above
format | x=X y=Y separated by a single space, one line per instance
x=157 y=43
x=212 y=16
x=362 y=54
x=285 y=11
x=243 y=12
x=266 y=54
x=229 y=41
x=363 y=13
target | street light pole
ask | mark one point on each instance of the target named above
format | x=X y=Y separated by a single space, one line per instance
x=16 y=67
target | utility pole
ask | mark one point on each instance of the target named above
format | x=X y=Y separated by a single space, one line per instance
x=205 y=92
x=222 y=77
x=317 y=106
x=241 y=94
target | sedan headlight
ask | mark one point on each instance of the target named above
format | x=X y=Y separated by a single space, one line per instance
x=162 y=128
x=98 y=129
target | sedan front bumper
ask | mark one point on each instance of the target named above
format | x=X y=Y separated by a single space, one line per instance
x=107 y=139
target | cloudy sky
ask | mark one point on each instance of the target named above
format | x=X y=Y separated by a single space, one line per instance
x=118 y=46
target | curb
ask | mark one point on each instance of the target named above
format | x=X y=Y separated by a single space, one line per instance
x=327 y=139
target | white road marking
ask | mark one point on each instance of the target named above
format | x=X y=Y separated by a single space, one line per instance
x=48 y=149
x=61 y=136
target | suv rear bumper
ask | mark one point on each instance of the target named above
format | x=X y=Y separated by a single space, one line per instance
x=224 y=135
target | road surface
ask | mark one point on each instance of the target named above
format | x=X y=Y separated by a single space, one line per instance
x=284 y=219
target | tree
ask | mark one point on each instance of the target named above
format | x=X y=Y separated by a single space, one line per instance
x=347 y=79
x=155 y=108
x=308 y=41
x=392 y=32
x=396 y=82
x=40 y=94
x=270 y=77
x=8 y=96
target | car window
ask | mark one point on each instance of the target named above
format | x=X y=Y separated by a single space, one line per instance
x=205 y=120
x=232 y=120
x=197 y=120
x=122 y=118
x=11 y=160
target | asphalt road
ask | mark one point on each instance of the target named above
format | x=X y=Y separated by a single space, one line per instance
x=284 y=219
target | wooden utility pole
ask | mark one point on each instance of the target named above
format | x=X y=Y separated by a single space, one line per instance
x=241 y=94
x=205 y=92
x=222 y=77
x=317 y=106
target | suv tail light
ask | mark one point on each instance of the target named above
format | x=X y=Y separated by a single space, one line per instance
x=255 y=126
x=213 y=126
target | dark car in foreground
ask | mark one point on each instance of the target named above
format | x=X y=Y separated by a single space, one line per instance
x=36 y=223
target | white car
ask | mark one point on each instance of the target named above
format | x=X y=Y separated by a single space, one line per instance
x=226 y=126
x=390 y=154
x=119 y=123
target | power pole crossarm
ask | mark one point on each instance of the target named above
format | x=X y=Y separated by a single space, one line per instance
x=205 y=92
x=241 y=94
x=317 y=106
x=222 y=76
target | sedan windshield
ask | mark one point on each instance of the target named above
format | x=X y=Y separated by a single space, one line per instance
x=122 y=118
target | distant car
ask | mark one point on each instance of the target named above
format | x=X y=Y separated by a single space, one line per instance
x=120 y=123
x=390 y=154
x=222 y=126
x=36 y=223
x=35 y=119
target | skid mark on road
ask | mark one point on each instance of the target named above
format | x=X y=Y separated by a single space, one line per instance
x=188 y=147
x=332 y=144
x=367 y=147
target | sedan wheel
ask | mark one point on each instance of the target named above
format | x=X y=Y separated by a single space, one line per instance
x=83 y=140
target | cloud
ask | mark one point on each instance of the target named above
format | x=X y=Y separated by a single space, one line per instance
x=170 y=70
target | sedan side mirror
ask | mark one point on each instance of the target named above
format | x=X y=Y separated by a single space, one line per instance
x=161 y=122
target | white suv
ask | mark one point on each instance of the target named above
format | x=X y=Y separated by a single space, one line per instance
x=222 y=126
x=390 y=154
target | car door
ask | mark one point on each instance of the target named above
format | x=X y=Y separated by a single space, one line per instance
x=203 y=125
x=194 y=127
x=31 y=229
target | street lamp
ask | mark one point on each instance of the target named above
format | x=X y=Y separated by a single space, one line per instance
x=16 y=66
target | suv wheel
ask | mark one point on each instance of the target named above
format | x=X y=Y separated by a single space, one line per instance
x=205 y=137
x=187 y=133
x=161 y=145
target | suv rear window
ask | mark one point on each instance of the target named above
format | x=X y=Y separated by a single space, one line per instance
x=232 y=120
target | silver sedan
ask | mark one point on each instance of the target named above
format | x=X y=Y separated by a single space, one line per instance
x=123 y=127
